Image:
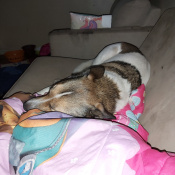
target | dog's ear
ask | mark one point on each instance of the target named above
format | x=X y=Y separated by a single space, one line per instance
x=100 y=112
x=96 y=72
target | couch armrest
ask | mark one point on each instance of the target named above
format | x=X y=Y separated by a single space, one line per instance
x=86 y=44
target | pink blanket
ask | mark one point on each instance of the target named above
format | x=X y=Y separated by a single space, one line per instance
x=100 y=147
x=97 y=147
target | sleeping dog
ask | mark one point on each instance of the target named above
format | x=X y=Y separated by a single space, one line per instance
x=100 y=87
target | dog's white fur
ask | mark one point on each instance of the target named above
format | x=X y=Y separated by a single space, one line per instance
x=112 y=53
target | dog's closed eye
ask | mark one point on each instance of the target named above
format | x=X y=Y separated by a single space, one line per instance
x=63 y=94
x=59 y=95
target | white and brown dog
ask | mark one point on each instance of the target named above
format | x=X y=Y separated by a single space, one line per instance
x=100 y=87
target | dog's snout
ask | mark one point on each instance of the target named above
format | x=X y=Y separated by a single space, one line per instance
x=27 y=106
x=33 y=103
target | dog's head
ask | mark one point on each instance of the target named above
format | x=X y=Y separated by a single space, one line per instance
x=75 y=95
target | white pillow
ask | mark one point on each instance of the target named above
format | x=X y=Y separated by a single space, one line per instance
x=85 y=21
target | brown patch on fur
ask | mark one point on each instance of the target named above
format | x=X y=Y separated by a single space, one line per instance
x=107 y=93
x=127 y=48
x=126 y=71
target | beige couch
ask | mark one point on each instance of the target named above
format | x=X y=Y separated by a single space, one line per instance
x=159 y=47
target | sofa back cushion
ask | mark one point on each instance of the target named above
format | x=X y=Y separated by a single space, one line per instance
x=86 y=44
x=159 y=115
x=130 y=12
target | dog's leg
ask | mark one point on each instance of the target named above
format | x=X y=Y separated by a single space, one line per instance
x=107 y=53
x=104 y=55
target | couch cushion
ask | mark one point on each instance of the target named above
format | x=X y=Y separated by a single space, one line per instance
x=159 y=114
x=42 y=73
x=130 y=13
x=152 y=17
x=86 y=44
